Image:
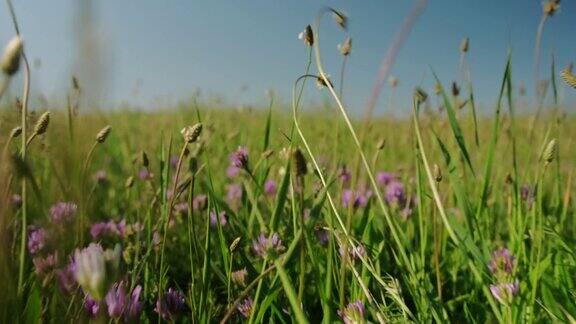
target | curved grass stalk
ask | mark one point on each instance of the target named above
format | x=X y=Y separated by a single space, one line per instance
x=345 y=232
x=22 y=256
x=390 y=222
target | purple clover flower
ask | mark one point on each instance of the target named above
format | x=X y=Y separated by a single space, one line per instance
x=395 y=193
x=220 y=218
x=354 y=252
x=322 y=236
x=174 y=161
x=268 y=246
x=181 y=208
x=270 y=188
x=63 y=211
x=134 y=307
x=239 y=276
x=43 y=265
x=144 y=174
x=353 y=313
x=91 y=306
x=505 y=292
x=170 y=305
x=65 y=277
x=528 y=195
x=199 y=202
x=116 y=300
x=109 y=228
x=502 y=262
x=345 y=176
x=36 y=240
x=245 y=307
x=239 y=158
x=232 y=172
x=384 y=178
x=358 y=199
x=233 y=193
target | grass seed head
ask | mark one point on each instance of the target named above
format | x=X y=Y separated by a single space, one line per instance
x=103 y=134
x=393 y=81
x=455 y=89
x=551 y=7
x=569 y=77
x=145 y=160
x=42 y=124
x=341 y=19
x=10 y=62
x=381 y=144
x=321 y=83
x=129 y=182
x=16 y=131
x=191 y=133
x=465 y=45
x=437 y=173
x=420 y=95
x=300 y=167
x=307 y=36
x=235 y=244
x=346 y=47
x=550 y=151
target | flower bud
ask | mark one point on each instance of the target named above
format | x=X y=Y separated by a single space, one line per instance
x=11 y=59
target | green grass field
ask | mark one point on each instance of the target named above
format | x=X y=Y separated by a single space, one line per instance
x=206 y=214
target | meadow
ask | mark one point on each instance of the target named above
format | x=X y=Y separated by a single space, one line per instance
x=203 y=213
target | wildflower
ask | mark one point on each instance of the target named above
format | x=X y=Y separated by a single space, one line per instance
x=92 y=267
x=109 y=228
x=10 y=62
x=239 y=277
x=345 y=176
x=502 y=262
x=43 y=265
x=116 y=300
x=358 y=199
x=134 y=306
x=232 y=172
x=384 y=178
x=322 y=236
x=245 y=307
x=199 y=202
x=144 y=174
x=220 y=218
x=395 y=193
x=36 y=240
x=505 y=292
x=234 y=193
x=268 y=246
x=307 y=36
x=239 y=158
x=65 y=277
x=63 y=211
x=353 y=313
x=170 y=305
x=354 y=252
x=270 y=188
x=181 y=208
x=528 y=195
x=91 y=306
x=16 y=201
x=174 y=161
x=101 y=177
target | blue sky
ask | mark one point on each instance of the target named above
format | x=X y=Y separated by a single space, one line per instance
x=159 y=52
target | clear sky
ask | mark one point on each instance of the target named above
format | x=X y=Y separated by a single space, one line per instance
x=157 y=52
